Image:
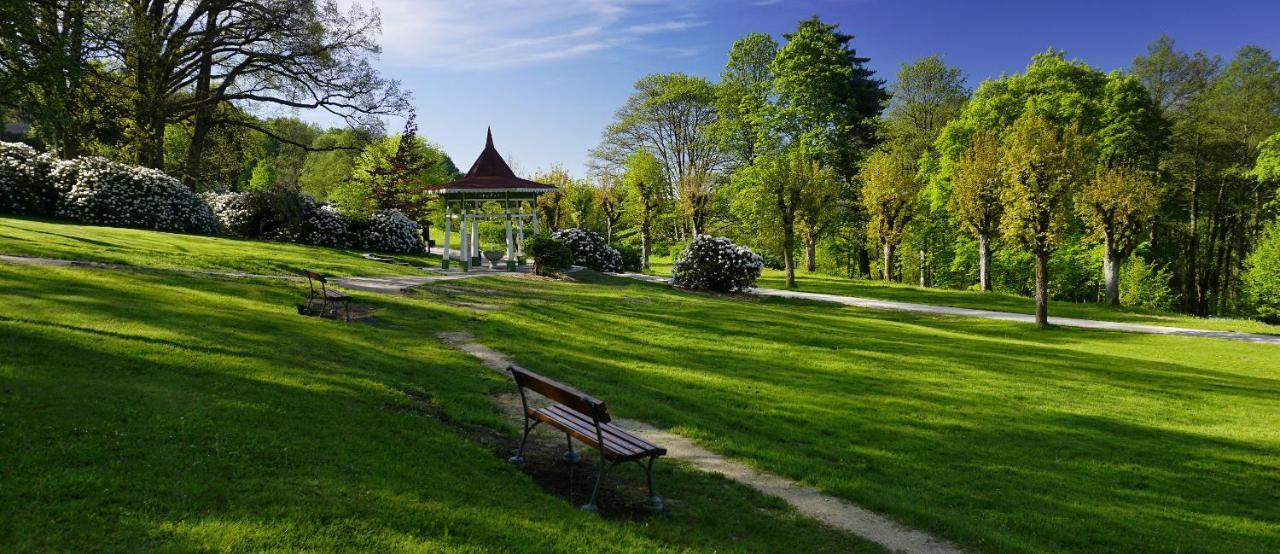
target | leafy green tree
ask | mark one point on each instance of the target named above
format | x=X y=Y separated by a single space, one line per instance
x=743 y=95
x=1262 y=274
x=611 y=201
x=646 y=186
x=1267 y=168
x=393 y=173
x=788 y=180
x=552 y=207
x=328 y=167
x=1116 y=205
x=890 y=193
x=976 y=197
x=580 y=201
x=1042 y=167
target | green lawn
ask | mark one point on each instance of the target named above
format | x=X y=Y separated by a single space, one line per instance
x=993 y=434
x=34 y=237
x=829 y=284
x=147 y=410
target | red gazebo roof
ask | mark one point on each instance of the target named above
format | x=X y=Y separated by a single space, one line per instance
x=491 y=173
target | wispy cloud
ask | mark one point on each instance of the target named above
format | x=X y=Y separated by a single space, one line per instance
x=498 y=34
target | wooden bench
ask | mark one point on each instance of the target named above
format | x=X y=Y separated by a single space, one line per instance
x=320 y=290
x=586 y=419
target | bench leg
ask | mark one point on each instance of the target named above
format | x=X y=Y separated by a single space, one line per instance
x=654 y=503
x=571 y=456
x=346 y=307
x=591 y=506
x=518 y=459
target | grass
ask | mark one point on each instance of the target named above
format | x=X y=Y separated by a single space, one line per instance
x=154 y=410
x=49 y=239
x=993 y=434
x=829 y=284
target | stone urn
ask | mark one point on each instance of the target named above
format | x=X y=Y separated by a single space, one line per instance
x=494 y=256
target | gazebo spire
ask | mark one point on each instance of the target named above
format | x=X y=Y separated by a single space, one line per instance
x=488 y=141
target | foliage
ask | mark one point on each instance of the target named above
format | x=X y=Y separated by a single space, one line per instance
x=386 y=231
x=1042 y=169
x=25 y=186
x=890 y=194
x=716 y=264
x=1267 y=168
x=1145 y=285
x=630 y=258
x=742 y=97
x=1262 y=275
x=392 y=173
x=99 y=191
x=590 y=249
x=927 y=95
x=549 y=254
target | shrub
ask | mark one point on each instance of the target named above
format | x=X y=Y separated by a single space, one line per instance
x=630 y=258
x=25 y=186
x=102 y=192
x=1262 y=275
x=324 y=225
x=1143 y=284
x=549 y=254
x=234 y=212
x=716 y=264
x=590 y=249
x=387 y=231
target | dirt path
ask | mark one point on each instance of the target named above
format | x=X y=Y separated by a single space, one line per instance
x=808 y=501
x=992 y=314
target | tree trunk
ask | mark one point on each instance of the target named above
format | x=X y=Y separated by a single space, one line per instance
x=810 y=251
x=204 y=112
x=984 y=262
x=1111 y=271
x=1042 y=289
x=888 y=261
x=1192 y=300
x=924 y=268
x=864 y=262
x=788 y=251
x=644 y=239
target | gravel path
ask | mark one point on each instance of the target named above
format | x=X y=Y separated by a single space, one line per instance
x=992 y=314
x=832 y=511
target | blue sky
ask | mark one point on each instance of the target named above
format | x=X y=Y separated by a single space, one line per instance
x=548 y=74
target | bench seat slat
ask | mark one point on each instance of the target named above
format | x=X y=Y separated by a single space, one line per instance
x=619 y=445
x=634 y=442
x=335 y=294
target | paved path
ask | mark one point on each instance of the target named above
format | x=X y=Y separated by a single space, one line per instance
x=992 y=314
x=832 y=511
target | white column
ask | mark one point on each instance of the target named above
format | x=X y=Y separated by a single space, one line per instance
x=520 y=234
x=466 y=240
x=475 y=237
x=448 y=217
x=511 y=244
x=534 y=206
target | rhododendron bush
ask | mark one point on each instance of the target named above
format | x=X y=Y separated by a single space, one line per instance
x=388 y=231
x=590 y=249
x=25 y=188
x=102 y=192
x=716 y=264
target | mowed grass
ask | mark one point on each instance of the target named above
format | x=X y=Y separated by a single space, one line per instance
x=136 y=247
x=1001 y=302
x=993 y=434
x=155 y=410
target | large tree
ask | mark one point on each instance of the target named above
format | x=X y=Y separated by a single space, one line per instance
x=1116 y=205
x=1042 y=167
x=826 y=99
x=646 y=186
x=790 y=181
x=975 y=197
x=890 y=194
x=742 y=97
x=182 y=59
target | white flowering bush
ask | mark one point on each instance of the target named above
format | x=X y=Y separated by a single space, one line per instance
x=102 y=192
x=716 y=264
x=25 y=187
x=233 y=212
x=387 y=231
x=324 y=225
x=590 y=249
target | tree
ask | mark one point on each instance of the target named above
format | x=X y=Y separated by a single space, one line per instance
x=183 y=59
x=671 y=116
x=975 y=198
x=393 y=173
x=611 y=200
x=1116 y=204
x=1041 y=166
x=788 y=180
x=579 y=199
x=827 y=100
x=1267 y=168
x=889 y=194
x=552 y=206
x=646 y=185
x=742 y=96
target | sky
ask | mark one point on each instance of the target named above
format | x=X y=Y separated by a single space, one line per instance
x=547 y=75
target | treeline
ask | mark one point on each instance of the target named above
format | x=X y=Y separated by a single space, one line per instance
x=188 y=88
x=1149 y=186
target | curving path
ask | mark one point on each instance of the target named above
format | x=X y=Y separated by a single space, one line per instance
x=992 y=314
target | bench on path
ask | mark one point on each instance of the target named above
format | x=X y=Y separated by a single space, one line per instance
x=586 y=419
x=320 y=290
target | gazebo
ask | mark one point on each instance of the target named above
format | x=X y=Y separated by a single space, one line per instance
x=490 y=179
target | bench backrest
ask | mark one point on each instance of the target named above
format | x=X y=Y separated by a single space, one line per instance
x=313 y=278
x=558 y=392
